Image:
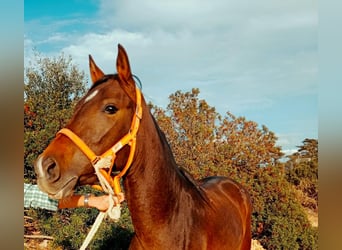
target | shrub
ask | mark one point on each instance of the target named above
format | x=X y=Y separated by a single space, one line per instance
x=69 y=227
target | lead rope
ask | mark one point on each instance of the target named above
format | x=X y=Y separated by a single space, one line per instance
x=114 y=209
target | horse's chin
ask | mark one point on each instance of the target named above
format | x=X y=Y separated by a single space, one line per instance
x=66 y=190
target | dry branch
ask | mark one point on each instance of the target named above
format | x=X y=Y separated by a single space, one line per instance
x=39 y=237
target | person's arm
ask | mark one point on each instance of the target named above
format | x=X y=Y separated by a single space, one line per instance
x=99 y=202
x=34 y=197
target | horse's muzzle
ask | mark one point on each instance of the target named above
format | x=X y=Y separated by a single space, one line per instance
x=47 y=168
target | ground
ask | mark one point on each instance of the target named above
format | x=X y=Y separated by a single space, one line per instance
x=33 y=238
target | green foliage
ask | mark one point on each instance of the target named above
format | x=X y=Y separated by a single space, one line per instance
x=205 y=143
x=52 y=87
x=302 y=172
x=279 y=221
x=69 y=227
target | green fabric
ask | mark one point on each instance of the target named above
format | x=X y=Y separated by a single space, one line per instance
x=34 y=197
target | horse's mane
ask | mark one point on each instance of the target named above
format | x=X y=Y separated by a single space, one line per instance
x=183 y=172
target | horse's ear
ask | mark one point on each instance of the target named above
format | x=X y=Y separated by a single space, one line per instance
x=124 y=72
x=95 y=72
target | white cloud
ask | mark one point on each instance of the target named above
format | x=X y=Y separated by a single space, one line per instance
x=289 y=142
x=54 y=38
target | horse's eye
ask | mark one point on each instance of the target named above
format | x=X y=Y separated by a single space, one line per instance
x=110 y=109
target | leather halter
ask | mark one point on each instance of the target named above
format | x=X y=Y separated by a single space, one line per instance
x=128 y=139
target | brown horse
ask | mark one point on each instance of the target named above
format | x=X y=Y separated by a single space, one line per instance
x=169 y=209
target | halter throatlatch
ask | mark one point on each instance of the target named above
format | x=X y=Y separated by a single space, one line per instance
x=107 y=159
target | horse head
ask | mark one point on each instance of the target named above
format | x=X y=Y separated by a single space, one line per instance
x=101 y=118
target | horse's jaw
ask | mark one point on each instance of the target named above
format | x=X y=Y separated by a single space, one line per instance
x=88 y=179
x=66 y=189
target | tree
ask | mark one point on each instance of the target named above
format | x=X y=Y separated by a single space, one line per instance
x=302 y=172
x=52 y=86
x=204 y=142
x=190 y=129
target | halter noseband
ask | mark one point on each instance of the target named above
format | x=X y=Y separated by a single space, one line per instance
x=129 y=139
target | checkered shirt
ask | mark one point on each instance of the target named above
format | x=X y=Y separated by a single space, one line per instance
x=34 y=197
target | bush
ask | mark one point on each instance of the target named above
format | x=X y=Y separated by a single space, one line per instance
x=69 y=227
x=279 y=220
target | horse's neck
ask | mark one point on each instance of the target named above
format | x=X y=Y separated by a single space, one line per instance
x=154 y=182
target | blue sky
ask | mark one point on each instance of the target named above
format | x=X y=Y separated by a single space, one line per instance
x=256 y=59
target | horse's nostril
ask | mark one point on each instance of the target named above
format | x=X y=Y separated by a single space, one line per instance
x=51 y=169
